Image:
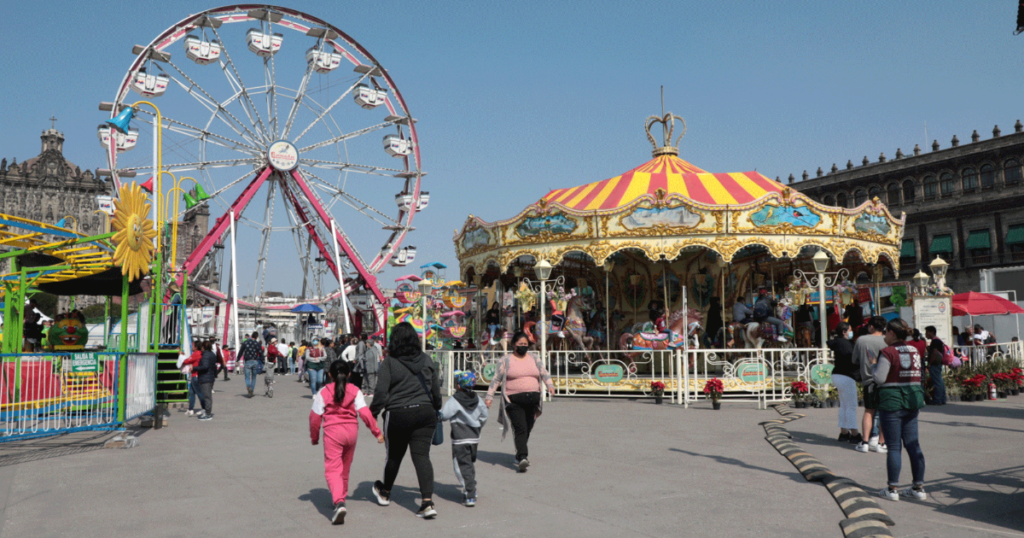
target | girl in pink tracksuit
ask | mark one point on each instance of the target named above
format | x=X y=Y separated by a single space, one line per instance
x=335 y=407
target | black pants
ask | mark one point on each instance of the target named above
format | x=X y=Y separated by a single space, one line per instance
x=522 y=412
x=463 y=459
x=206 y=396
x=410 y=428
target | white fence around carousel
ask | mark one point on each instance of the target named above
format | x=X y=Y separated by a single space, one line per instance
x=748 y=375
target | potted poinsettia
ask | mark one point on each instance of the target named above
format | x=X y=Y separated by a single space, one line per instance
x=714 y=389
x=798 y=389
x=658 y=390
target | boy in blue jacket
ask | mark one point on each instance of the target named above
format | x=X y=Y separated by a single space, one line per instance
x=467 y=413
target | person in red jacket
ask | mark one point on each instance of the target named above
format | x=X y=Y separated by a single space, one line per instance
x=335 y=407
x=189 y=368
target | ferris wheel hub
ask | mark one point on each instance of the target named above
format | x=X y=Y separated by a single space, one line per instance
x=283 y=156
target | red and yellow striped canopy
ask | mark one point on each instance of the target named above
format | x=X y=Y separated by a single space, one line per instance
x=674 y=176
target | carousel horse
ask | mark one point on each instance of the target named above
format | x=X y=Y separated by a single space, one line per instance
x=500 y=342
x=682 y=325
x=573 y=329
x=759 y=334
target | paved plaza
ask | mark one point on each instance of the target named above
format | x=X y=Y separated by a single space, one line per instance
x=600 y=468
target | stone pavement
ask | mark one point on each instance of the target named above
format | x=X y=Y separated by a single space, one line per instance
x=600 y=468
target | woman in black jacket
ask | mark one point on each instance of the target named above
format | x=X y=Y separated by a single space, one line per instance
x=844 y=376
x=207 y=370
x=409 y=393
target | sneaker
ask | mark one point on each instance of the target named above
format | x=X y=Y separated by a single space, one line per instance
x=383 y=497
x=469 y=500
x=880 y=448
x=206 y=417
x=201 y=414
x=856 y=439
x=781 y=339
x=523 y=464
x=250 y=393
x=912 y=493
x=862 y=447
x=843 y=437
x=189 y=413
x=339 y=514
x=890 y=494
x=427 y=511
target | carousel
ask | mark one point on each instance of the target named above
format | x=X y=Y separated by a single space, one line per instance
x=648 y=257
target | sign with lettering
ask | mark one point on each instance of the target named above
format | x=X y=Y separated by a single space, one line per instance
x=751 y=373
x=608 y=373
x=283 y=156
x=935 y=312
x=84 y=363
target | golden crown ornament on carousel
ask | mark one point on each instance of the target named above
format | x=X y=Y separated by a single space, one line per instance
x=134 y=232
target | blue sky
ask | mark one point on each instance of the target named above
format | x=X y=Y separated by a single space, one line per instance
x=515 y=99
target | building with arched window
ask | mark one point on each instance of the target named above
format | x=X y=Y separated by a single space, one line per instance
x=964 y=203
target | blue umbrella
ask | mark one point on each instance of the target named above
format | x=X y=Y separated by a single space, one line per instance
x=307 y=309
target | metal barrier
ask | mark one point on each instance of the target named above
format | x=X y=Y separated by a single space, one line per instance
x=53 y=393
x=761 y=375
x=625 y=374
x=980 y=354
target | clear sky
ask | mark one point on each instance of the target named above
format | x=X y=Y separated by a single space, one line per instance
x=517 y=98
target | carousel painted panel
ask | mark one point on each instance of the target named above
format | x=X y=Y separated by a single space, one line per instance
x=785 y=218
x=475 y=240
x=542 y=228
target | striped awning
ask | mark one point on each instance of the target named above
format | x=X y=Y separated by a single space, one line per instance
x=672 y=175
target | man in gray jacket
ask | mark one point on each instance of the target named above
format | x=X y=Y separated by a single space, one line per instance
x=371 y=363
x=865 y=354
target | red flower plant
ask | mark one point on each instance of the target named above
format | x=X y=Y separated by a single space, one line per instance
x=657 y=387
x=714 y=388
x=799 y=387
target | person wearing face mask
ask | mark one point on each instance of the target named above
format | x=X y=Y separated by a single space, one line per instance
x=521 y=377
x=841 y=345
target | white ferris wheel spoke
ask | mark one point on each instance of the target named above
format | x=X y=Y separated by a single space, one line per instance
x=328 y=109
x=185 y=167
x=347 y=136
x=271 y=95
x=351 y=167
x=236 y=82
x=200 y=134
x=268 y=215
x=352 y=201
x=212 y=105
x=298 y=99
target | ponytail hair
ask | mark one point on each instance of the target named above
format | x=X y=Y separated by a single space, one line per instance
x=339 y=373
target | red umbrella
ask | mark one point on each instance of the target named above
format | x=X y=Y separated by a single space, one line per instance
x=974 y=303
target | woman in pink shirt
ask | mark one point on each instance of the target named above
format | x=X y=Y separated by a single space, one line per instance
x=522 y=377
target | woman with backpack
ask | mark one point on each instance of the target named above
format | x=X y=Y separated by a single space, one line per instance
x=316 y=361
x=409 y=393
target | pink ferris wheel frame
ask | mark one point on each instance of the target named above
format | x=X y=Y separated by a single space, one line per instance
x=295 y=188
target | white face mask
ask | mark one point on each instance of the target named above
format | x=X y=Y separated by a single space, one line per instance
x=849 y=335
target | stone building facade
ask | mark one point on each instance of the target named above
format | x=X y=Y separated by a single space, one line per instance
x=964 y=203
x=48 y=187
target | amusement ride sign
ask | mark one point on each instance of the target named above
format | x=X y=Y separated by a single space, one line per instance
x=283 y=156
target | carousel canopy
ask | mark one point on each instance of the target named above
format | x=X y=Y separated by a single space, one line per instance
x=671 y=175
x=666 y=207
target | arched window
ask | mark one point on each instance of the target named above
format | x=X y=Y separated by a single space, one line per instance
x=970 y=179
x=859 y=197
x=1011 y=172
x=931 y=188
x=829 y=200
x=908 y=191
x=988 y=176
x=874 y=192
x=841 y=200
x=946 y=184
x=893 y=194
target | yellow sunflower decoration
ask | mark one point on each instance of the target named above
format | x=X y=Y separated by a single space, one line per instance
x=135 y=232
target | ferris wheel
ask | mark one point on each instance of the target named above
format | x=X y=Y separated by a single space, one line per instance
x=269 y=104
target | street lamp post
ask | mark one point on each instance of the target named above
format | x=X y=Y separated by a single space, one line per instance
x=543 y=270
x=939 y=268
x=921 y=281
x=822 y=279
x=425 y=287
x=609 y=266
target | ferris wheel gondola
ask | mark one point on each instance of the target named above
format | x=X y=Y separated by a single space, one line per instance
x=278 y=118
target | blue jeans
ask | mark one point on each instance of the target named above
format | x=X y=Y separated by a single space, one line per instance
x=193 y=391
x=252 y=369
x=939 y=396
x=900 y=429
x=316 y=380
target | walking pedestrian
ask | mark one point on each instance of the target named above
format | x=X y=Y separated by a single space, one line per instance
x=865 y=353
x=521 y=377
x=252 y=352
x=936 y=360
x=207 y=375
x=188 y=367
x=228 y=355
x=316 y=361
x=409 y=393
x=371 y=365
x=898 y=375
x=336 y=407
x=841 y=345
x=467 y=412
